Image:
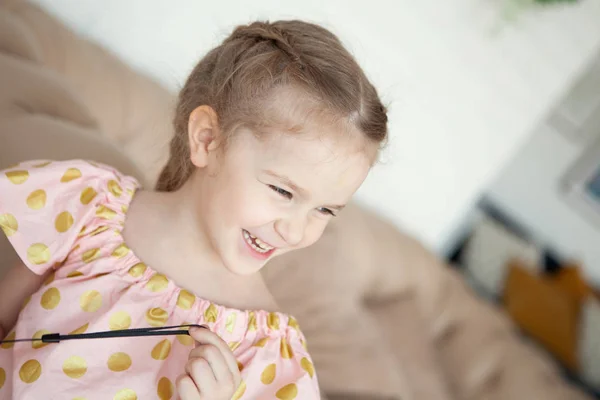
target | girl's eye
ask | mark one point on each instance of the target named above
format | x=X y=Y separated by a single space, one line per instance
x=281 y=192
x=326 y=211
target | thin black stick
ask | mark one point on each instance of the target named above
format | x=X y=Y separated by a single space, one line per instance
x=134 y=332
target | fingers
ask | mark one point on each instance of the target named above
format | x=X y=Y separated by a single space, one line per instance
x=206 y=337
x=202 y=376
x=211 y=371
x=216 y=362
x=187 y=388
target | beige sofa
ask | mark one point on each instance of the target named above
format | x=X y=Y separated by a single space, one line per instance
x=384 y=318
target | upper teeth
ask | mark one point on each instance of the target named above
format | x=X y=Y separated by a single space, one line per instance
x=256 y=243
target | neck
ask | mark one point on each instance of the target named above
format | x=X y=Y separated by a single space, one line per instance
x=163 y=230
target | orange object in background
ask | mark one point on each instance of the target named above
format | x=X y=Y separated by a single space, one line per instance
x=547 y=308
x=570 y=279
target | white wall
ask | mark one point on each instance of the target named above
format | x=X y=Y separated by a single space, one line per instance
x=463 y=98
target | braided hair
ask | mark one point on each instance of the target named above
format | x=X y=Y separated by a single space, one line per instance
x=236 y=78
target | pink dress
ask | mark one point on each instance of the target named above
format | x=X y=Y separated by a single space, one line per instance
x=67 y=217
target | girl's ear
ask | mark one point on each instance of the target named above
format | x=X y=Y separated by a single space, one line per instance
x=203 y=131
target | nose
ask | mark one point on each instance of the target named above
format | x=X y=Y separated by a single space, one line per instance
x=291 y=229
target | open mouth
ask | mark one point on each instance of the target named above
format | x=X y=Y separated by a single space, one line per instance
x=256 y=244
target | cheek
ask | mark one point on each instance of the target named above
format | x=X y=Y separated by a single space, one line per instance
x=245 y=206
x=313 y=233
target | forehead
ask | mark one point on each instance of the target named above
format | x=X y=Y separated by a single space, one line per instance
x=292 y=119
x=317 y=161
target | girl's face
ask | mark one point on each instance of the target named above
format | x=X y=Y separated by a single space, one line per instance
x=263 y=198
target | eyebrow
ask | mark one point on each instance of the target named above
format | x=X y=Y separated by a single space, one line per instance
x=303 y=192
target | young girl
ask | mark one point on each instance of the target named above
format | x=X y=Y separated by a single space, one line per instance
x=275 y=130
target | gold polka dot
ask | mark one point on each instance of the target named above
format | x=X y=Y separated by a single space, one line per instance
x=119 y=362
x=63 y=222
x=70 y=174
x=251 y=321
x=157 y=283
x=130 y=192
x=233 y=345
x=125 y=394
x=185 y=340
x=137 y=270
x=124 y=209
x=161 y=350
x=157 y=316
x=114 y=188
x=30 y=371
x=2 y=377
x=90 y=301
x=286 y=349
x=273 y=321
x=121 y=251
x=87 y=195
x=288 y=392
x=304 y=344
x=98 y=230
x=240 y=391
x=38 y=253
x=36 y=199
x=294 y=324
x=17 y=177
x=50 y=298
x=165 y=389
x=11 y=336
x=261 y=342
x=119 y=320
x=42 y=165
x=105 y=212
x=90 y=255
x=80 y=330
x=75 y=367
x=308 y=366
x=211 y=313
x=9 y=224
x=38 y=344
x=268 y=375
x=185 y=300
x=230 y=322
x=74 y=274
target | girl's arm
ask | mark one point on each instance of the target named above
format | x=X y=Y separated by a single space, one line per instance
x=16 y=285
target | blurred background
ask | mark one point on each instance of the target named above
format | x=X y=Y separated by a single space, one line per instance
x=494 y=158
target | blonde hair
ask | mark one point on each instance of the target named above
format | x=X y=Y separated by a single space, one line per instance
x=237 y=76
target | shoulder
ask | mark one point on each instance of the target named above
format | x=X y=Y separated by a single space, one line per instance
x=55 y=172
x=35 y=183
x=44 y=204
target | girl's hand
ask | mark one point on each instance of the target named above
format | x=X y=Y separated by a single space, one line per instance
x=211 y=371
